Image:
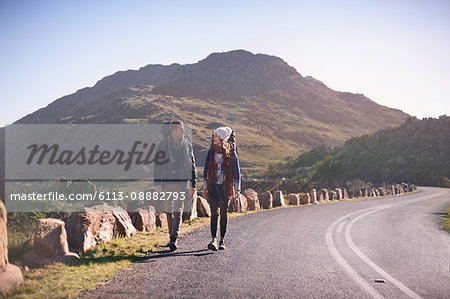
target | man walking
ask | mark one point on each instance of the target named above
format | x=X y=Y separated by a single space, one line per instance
x=172 y=178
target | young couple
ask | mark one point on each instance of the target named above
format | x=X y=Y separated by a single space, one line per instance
x=221 y=178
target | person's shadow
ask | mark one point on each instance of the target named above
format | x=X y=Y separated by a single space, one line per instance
x=167 y=253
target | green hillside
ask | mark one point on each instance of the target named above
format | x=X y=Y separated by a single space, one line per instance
x=416 y=152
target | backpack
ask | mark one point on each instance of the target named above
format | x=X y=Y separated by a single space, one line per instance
x=165 y=129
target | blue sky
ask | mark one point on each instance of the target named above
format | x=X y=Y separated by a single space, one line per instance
x=394 y=52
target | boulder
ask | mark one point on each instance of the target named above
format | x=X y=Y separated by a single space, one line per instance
x=324 y=192
x=161 y=220
x=123 y=226
x=338 y=193
x=193 y=211
x=10 y=275
x=266 y=200
x=243 y=202
x=238 y=204
x=405 y=187
x=293 y=199
x=50 y=244
x=3 y=237
x=305 y=199
x=10 y=278
x=320 y=196
x=381 y=191
x=144 y=219
x=377 y=193
x=399 y=188
x=278 y=199
x=203 y=209
x=333 y=195
x=345 y=194
x=359 y=193
x=50 y=238
x=312 y=196
x=90 y=227
x=252 y=199
x=234 y=205
x=365 y=192
x=351 y=193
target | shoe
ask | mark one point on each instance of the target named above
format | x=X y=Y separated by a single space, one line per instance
x=213 y=245
x=173 y=244
x=222 y=246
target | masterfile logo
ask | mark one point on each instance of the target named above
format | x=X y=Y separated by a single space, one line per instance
x=82 y=151
x=64 y=167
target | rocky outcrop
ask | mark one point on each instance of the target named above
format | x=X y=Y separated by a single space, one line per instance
x=278 y=199
x=252 y=200
x=293 y=199
x=10 y=275
x=144 y=219
x=203 y=209
x=338 y=193
x=266 y=200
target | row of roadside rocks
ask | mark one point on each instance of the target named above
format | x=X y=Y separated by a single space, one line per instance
x=57 y=240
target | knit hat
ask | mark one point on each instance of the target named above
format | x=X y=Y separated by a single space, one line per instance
x=223 y=132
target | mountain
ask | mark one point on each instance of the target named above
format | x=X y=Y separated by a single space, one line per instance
x=417 y=152
x=275 y=111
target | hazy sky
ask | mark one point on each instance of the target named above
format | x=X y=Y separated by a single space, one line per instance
x=394 y=52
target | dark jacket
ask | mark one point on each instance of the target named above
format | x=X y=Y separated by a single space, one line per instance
x=176 y=171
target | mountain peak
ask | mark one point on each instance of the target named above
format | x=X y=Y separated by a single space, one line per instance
x=231 y=74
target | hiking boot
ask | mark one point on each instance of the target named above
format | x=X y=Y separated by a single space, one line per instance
x=173 y=244
x=222 y=246
x=213 y=245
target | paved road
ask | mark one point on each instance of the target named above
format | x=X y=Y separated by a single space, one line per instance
x=337 y=250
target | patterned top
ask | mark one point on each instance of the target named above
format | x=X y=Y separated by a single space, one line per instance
x=220 y=170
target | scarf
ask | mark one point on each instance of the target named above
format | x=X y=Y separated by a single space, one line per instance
x=225 y=151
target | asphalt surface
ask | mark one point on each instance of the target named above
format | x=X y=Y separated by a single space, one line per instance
x=388 y=247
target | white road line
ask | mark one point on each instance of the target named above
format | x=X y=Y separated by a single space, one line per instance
x=374 y=266
x=340 y=227
x=353 y=274
x=344 y=264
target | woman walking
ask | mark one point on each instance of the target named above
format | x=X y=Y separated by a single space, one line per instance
x=222 y=181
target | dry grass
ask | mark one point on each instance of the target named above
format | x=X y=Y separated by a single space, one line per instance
x=445 y=220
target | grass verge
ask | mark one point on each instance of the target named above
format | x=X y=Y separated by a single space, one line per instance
x=445 y=220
